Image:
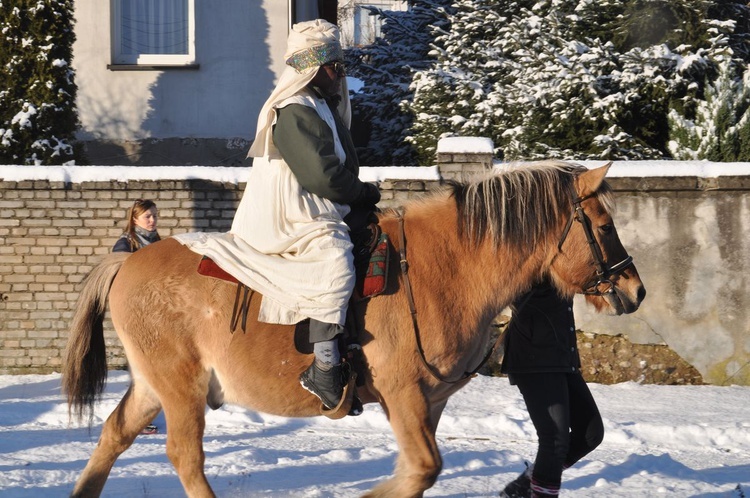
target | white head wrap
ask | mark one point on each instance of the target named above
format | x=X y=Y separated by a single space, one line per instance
x=310 y=45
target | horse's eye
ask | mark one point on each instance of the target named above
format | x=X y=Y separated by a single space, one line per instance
x=605 y=229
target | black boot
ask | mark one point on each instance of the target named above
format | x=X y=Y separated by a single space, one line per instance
x=325 y=384
x=521 y=487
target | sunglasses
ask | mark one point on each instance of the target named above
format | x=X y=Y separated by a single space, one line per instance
x=338 y=67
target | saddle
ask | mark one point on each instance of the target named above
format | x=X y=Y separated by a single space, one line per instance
x=208 y=268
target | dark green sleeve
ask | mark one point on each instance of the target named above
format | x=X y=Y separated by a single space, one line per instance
x=306 y=143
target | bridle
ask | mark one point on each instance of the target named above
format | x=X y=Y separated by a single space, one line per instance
x=601 y=284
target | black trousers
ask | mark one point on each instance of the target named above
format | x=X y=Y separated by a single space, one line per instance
x=566 y=419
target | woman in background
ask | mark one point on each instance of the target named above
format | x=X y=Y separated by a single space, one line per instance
x=139 y=232
x=141 y=228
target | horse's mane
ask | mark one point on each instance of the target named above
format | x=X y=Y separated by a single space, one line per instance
x=520 y=204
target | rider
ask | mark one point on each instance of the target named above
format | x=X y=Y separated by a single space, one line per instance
x=304 y=196
x=541 y=358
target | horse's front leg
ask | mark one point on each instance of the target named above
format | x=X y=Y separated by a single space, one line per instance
x=414 y=422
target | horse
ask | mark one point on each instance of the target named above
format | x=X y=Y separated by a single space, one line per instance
x=467 y=250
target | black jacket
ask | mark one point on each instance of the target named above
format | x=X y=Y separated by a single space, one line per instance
x=541 y=335
x=142 y=236
x=123 y=244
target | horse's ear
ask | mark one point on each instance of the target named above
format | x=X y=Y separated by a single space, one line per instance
x=590 y=181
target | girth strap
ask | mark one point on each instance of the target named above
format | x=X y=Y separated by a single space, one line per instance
x=241 y=307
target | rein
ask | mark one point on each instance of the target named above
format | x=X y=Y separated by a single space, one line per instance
x=603 y=272
x=413 y=309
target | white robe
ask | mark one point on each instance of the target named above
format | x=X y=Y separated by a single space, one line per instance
x=290 y=245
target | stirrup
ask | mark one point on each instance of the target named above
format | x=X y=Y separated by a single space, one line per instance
x=345 y=403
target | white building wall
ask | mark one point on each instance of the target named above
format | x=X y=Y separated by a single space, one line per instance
x=239 y=48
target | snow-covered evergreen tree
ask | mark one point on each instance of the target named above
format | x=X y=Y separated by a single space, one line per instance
x=38 y=116
x=386 y=68
x=736 y=15
x=526 y=75
x=720 y=128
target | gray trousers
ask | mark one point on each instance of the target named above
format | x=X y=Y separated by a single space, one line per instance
x=321 y=331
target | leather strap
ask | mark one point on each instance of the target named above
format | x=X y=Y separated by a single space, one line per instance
x=413 y=310
x=241 y=307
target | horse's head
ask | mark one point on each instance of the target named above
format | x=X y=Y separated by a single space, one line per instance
x=554 y=219
x=589 y=257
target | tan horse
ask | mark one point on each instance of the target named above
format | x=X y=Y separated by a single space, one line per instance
x=471 y=250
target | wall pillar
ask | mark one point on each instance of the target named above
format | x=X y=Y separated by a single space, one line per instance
x=460 y=158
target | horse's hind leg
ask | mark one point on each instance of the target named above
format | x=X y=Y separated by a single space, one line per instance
x=184 y=405
x=137 y=408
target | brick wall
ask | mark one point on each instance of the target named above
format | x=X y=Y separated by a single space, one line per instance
x=53 y=233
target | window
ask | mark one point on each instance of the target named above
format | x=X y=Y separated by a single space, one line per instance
x=304 y=10
x=366 y=27
x=153 y=32
x=307 y=10
x=359 y=26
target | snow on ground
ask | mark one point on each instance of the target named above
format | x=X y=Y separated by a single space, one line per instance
x=661 y=441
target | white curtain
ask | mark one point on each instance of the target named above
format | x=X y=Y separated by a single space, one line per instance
x=154 y=26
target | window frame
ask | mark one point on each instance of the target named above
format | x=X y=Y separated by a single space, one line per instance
x=178 y=60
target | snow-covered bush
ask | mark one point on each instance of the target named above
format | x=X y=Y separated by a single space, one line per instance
x=530 y=76
x=716 y=128
x=38 y=116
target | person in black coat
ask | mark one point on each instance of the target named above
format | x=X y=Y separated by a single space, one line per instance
x=541 y=359
x=140 y=230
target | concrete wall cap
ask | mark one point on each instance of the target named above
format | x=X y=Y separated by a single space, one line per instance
x=465 y=145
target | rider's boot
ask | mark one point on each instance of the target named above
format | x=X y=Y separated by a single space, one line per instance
x=326 y=382
x=325 y=377
x=328 y=375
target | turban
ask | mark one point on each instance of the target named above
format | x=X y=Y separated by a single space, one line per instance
x=310 y=45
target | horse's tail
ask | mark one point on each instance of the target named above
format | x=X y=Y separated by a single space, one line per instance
x=84 y=369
